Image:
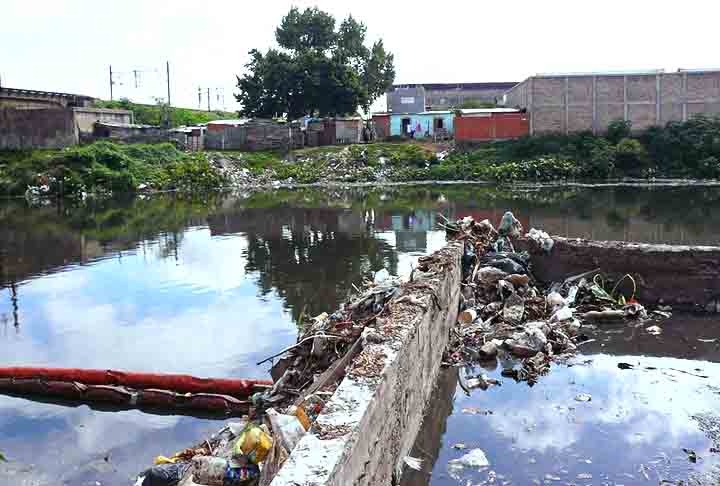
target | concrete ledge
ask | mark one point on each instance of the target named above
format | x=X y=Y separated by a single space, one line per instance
x=681 y=276
x=371 y=422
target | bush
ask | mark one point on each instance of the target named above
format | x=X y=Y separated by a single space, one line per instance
x=617 y=130
x=631 y=157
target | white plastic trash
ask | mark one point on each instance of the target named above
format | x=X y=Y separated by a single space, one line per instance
x=288 y=427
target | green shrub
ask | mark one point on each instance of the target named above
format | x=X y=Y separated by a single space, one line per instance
x=631 y=157
x=617 y=130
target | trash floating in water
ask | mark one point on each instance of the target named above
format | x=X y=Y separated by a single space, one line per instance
x=583 y=397
x=474 y=458
x=654 y=330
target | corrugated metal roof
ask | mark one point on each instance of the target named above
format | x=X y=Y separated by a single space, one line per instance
x=460 y=86
x=238 y=121
x=472 y=111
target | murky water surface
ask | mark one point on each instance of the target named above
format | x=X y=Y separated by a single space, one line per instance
x=210 y=286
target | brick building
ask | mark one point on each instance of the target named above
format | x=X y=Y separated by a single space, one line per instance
x=590 y=101
x=443 y=96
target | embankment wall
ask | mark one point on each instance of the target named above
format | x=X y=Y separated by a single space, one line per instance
x=684 y=277
x=370 y=423
x=38 y=128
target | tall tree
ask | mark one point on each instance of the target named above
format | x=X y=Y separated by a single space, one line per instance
x=318 y=70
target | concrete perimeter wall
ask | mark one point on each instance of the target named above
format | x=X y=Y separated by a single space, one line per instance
x=378 y=418
x=37 y=128
x=685 y=277
x=86 y=117
x=570 y=103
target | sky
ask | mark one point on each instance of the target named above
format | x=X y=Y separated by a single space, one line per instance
x=68 y=46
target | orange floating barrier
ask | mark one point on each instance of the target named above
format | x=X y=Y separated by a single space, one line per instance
x=139 y=381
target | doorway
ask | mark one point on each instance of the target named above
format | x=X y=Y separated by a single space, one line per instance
x=405 y=127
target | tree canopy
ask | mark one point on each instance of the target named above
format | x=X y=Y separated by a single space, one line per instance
x=317 y=69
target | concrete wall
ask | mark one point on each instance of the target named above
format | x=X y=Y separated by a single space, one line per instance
x=85 y=118
x=37 y=128
x=442 y=99
x=379 y=417
x=590 y=102
x=426 y=121
x=406 y=100
x=32 y=99
x=682 y=276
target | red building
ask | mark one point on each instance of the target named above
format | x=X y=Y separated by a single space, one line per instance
x=382 y=125
x=480 y=125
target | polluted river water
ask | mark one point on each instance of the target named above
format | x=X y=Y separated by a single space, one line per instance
x=209 y=286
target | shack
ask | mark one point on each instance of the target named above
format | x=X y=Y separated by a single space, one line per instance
x=334 y=131
x=381 y=122
x=252 y=135
x=427 y=124
x=480 y=125
x=129 y=133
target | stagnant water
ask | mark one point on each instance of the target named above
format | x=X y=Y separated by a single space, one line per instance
x=211 y=285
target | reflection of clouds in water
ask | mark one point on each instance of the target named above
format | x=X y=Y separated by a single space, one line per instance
x=210 y=340
x=647 y=409
x=207 y=263
x=408 y=260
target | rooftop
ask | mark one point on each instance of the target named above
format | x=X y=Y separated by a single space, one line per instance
x=477 y=111
x=459 y=86
x=46 y=94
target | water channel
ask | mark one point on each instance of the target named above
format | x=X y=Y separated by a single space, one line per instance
x=210 y=285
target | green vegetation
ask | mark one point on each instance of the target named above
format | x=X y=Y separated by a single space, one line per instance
x=157 y=114
x=317 y=70
x=105 y=167
x=688 y=149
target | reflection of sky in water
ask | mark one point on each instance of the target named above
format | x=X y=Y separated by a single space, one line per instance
x=193 y=311
x=635 y=417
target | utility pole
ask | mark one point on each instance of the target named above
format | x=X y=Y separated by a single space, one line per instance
x=111 y=84
x=199 y=97
x=167 y=65
x=208 y=97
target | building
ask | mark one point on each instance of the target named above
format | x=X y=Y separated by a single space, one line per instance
x=381 y=123
x=27 y=99
x=433 y=124
x=481 y=125
x=252 y=135
x=334 y=131
x=406 y=99
x=443 y=96
x=590 y=101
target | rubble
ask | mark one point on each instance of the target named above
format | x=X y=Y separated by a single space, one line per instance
x=507 y=314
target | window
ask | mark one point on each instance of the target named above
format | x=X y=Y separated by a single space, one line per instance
x=407 y=100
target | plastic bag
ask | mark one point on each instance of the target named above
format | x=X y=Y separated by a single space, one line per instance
x=288 y=427
x=254 y=443
x=163 y=474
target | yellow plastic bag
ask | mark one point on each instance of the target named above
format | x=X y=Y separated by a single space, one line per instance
x=253 y=443
x=165 y=460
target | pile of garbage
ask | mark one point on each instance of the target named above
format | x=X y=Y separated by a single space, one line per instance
x=305 y=376
x=506 y=313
